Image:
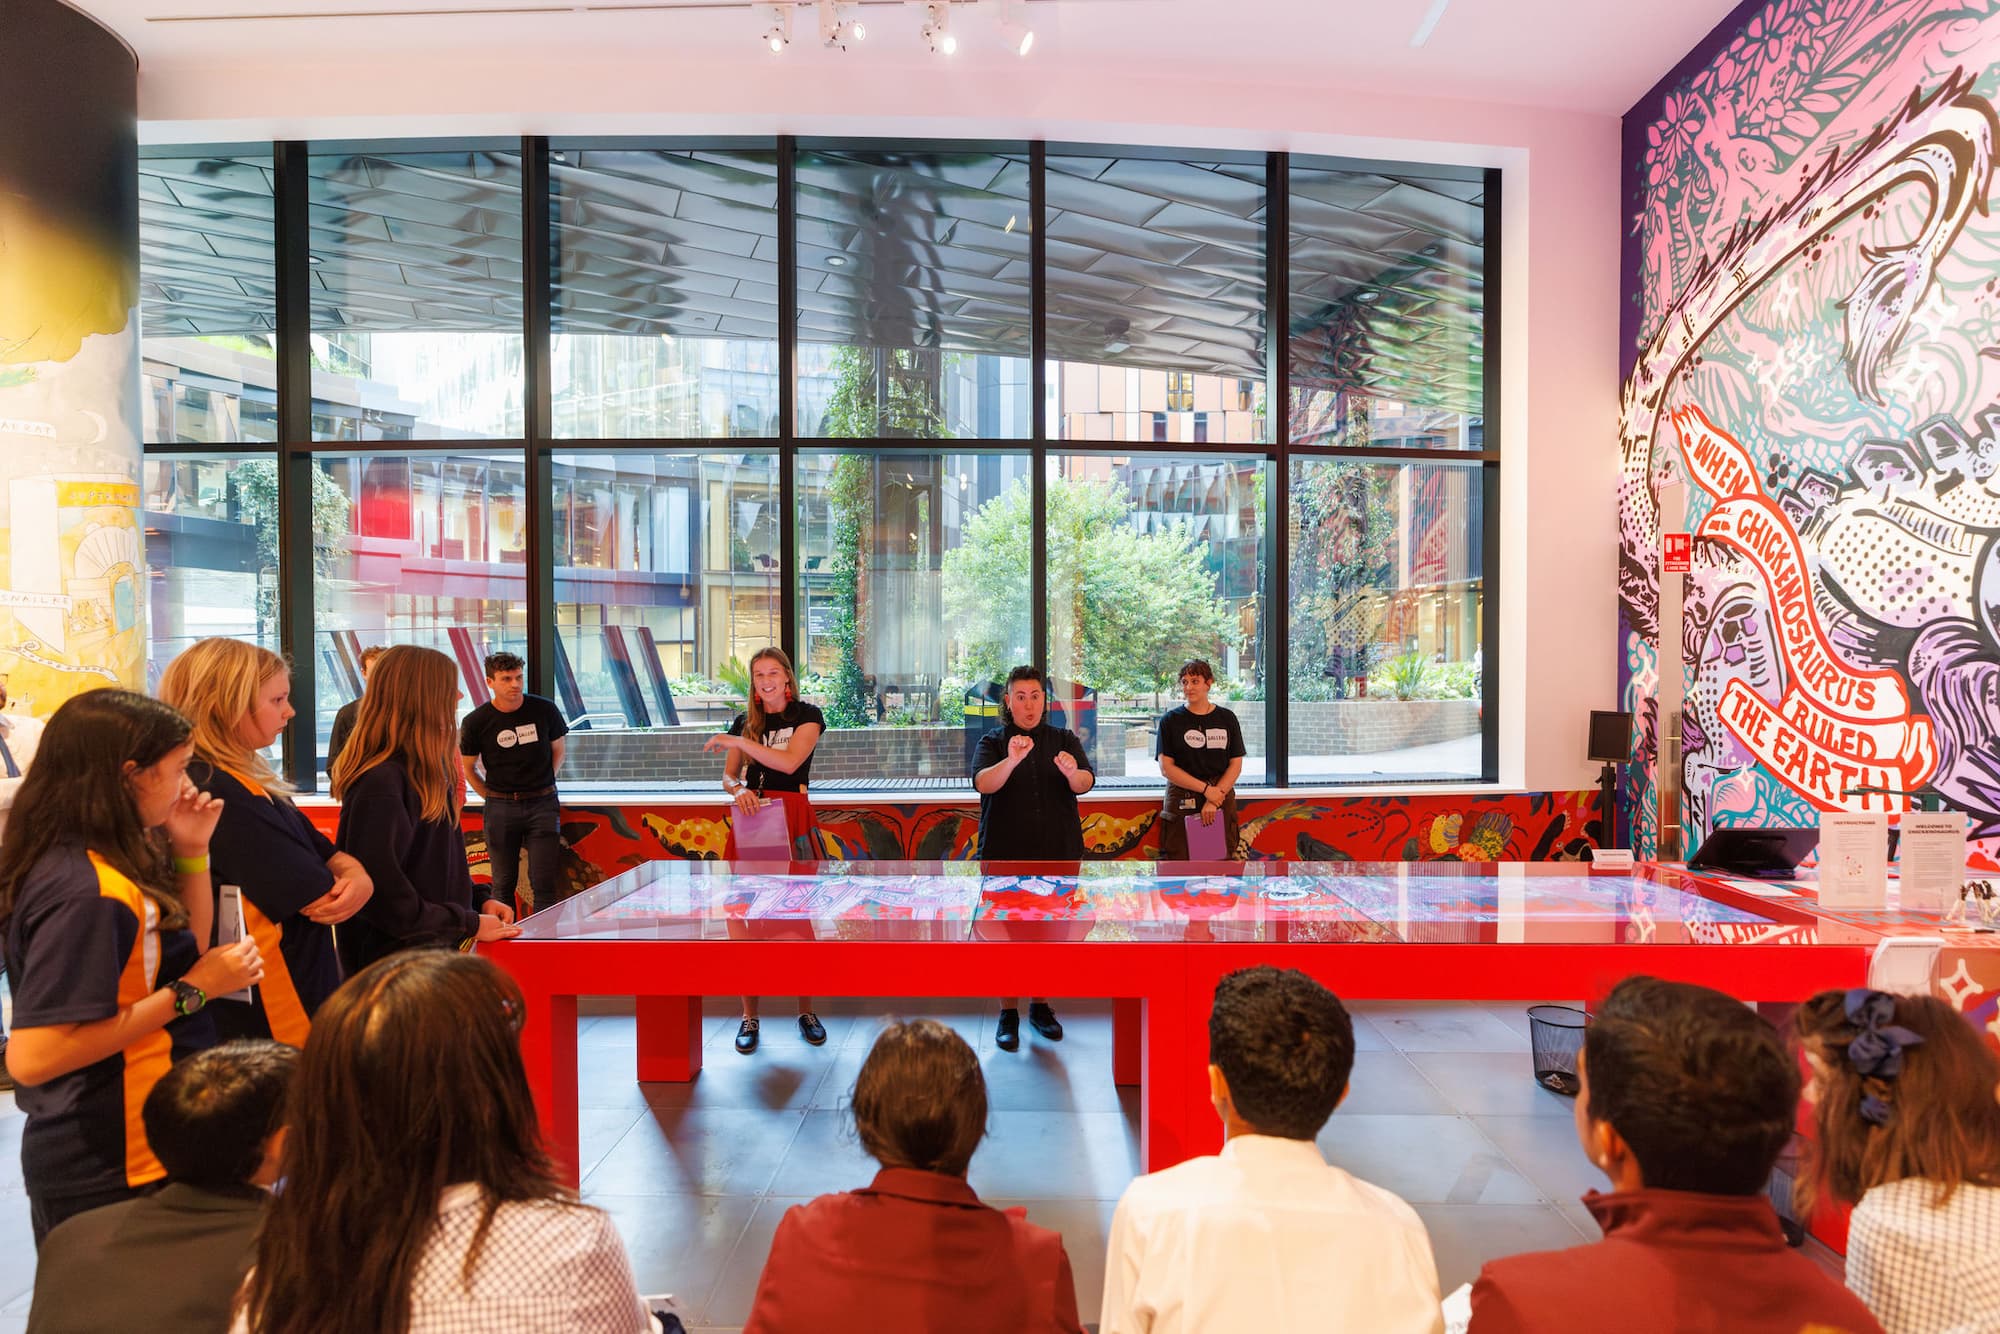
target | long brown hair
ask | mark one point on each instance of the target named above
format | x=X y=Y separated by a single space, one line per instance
x=76 y=791
x=412 y=1081
x=215 y=682
x=1936 y=1118
x=407 y=714
x=753 y=726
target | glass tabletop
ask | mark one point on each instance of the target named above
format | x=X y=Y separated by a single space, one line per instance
x=1295 y=902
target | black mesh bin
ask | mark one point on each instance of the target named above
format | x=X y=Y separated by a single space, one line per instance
x=1555 y=1033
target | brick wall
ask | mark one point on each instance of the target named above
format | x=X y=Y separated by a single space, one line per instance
x=1363 y=726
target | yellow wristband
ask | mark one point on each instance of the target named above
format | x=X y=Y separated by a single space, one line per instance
x=191 y=865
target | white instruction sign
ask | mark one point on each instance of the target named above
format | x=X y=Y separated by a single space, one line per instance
x=1933 y=859
x=1853 y=860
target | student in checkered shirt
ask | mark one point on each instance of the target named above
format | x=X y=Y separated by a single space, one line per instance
x=418 y=1198
x=1906 y=1096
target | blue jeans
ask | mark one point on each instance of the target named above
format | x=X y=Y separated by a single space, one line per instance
x=536 y=822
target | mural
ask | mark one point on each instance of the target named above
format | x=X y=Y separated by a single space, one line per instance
x=1812 y=349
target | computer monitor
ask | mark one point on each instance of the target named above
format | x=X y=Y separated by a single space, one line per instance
x=1767 y=854
x=1610 y=737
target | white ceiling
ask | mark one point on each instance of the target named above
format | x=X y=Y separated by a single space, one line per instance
x=1594 y=56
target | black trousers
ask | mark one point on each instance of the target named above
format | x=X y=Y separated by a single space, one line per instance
x=537 y=824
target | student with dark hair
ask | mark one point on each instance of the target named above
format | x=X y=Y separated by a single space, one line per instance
x=513 y=747
x=174 y=1259
x=1028 y=774
x=1906 y=1106
x=1267 y=1237
x=106 y=905
x=1687 y=1099
x=401 y=800
x=418 y=1196
x=1200 y=747
x=343 y=719
x=916 y=1250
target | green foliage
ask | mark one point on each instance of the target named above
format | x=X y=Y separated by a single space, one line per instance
x=1340 y=569
x=256 y=483
x=908 y=377
x=1142 y=603
x=734 y=678
x=1411 y=677
x=1457 y=680
x=847 y=495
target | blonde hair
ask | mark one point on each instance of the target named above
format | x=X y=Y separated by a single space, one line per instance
x=215 y=682
x=753 y=726
x=408 y=714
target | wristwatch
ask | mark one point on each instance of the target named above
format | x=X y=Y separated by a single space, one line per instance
x=187 y=997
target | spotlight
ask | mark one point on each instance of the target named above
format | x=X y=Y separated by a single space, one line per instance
x=837 y=26
x=937 y=28
x=779 y=35
x=1014 y=29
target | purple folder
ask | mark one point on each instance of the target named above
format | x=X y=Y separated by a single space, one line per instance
x=764 y=836
x=1204 y=840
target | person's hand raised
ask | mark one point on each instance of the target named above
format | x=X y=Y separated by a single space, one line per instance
x=1018 y=747
x=1065 y=762
x=192 y=820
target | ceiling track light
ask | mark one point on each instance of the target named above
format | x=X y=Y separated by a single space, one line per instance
x=1014 y=29
x=779 y=35
x=838 y=26
x=937 y=28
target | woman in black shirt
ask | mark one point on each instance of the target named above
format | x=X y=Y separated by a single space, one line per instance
x=769 y=750
x=401 y=795
x=1201 y=755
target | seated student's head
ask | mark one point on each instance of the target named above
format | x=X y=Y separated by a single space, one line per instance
x=1901 y=1086
x=1280 y=1050
x=920 y=1101
x=1027 y=695
x=215 y=1119
x=1683 y=1088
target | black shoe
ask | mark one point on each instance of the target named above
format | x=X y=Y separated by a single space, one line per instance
x=811 y=1029
x=746 y=1036
x=1045 y=1022
x=1008 y=1036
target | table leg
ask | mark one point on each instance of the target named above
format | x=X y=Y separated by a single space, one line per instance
x=548 y=1049
x=1127 y=1052
x=1165 y=1083
x=669 y=1038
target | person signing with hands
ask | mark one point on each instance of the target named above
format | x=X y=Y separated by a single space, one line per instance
x=1029 y=774
x=769 y=748
x=107 y=905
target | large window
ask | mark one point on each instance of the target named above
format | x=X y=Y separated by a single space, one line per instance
x=914 y=312
x=426 y=549
x=664 y=293
x=416 y=295
x=1154 y=559
x=782 y=392
x=1388 y=610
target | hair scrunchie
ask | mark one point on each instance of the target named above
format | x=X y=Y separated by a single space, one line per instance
x=1877 y=1050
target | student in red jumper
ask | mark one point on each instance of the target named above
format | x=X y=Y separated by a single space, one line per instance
x=1688 y=1098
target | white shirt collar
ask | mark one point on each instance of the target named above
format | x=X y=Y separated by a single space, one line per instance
x=1273 y=1149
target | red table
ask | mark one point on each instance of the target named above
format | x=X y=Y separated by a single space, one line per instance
x=1153 y=937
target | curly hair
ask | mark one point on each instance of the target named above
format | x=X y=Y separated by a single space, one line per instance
x=1286 y=1046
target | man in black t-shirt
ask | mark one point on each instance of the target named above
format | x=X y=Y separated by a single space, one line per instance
x=1029 y=774
x=1200 y=749
x=514 y=745
x=343 y=721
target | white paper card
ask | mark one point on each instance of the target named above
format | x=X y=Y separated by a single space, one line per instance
x=230 y=928
x=1611 y=859
x=1906 y=965
x=1853 y=860
x=1932 y=859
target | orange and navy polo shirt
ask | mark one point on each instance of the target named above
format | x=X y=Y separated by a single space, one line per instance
x=270 y=851
x=84 y=943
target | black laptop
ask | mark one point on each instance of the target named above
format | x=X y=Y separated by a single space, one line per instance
x=1766 y=854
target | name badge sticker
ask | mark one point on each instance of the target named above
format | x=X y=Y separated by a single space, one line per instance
x=1218 y=738
x=1196 y=738
x=526 y=734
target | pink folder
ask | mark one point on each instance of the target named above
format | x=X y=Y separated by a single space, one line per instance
x=1205 y=840
x=763 y=837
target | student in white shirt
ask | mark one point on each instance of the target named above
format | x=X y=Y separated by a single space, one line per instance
x=1267 y=1237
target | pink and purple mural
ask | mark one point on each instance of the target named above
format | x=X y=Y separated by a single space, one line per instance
x=1812 y=359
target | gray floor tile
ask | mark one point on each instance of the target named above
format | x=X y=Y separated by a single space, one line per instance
x=824 y=1156
x=697 y=1151
x=1441 y=1026
x=599 y=1129
x=728 y=1304
x=1385 y=1083
x=1545 y=1149
x=608 y=1076
x=1425 y=1159
x=678 y=1244
x=1484 y=1083
x=1466 y=1236
x=770 y=1078
x=1367 y=1037
x=1043 y=1155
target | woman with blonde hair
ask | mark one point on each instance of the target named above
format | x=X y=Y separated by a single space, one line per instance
x=769 y=749
x=401 y=793
x=294 y=885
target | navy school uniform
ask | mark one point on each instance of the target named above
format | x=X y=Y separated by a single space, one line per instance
x=424 y=893
x=84 y=943
x=270 y=851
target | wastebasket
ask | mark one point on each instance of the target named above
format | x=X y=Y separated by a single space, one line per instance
x=982 y=715
x=1555 y=1035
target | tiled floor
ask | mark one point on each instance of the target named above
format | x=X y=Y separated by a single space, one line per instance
x=1442 y=1110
